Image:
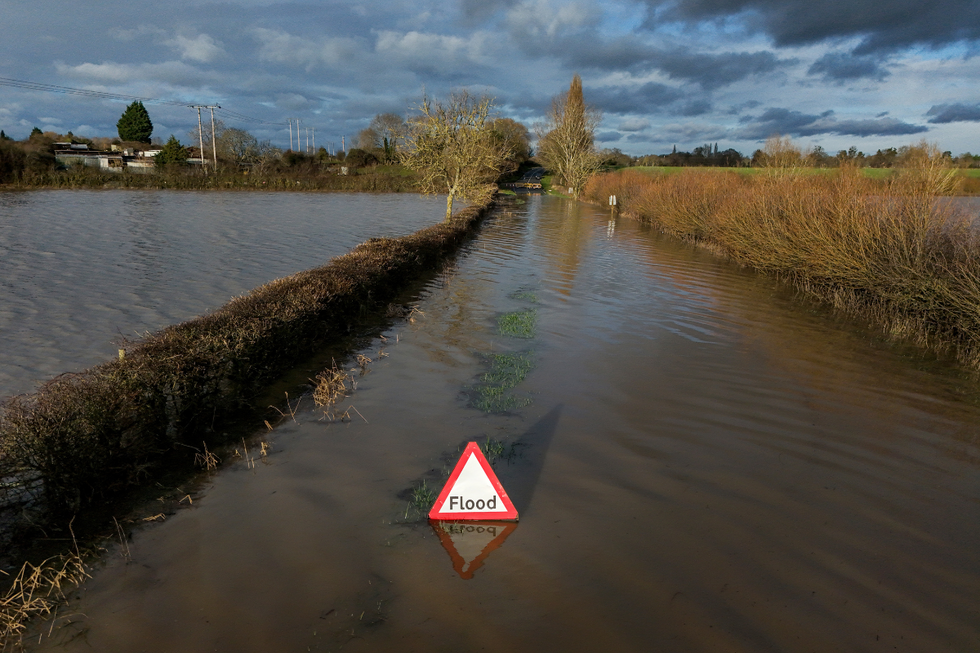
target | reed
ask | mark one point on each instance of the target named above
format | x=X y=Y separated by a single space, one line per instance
x=37 y=591
x=892 y=249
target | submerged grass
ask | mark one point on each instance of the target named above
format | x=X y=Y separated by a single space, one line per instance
x=493 y=393
x=420 y=499
x=518 y=324
x=891 y=250
x=524 y=295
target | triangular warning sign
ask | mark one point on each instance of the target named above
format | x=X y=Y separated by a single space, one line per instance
x=468 y=545
x=473 y=491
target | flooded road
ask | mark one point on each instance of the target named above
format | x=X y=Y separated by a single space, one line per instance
x=701 y=462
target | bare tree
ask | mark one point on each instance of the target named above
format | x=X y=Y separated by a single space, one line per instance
x=383 y=137
x=454 y=149
x=238 y=145
x=566 y=142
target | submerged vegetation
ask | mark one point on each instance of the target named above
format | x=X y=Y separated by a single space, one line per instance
x=893 y=250
x=493 y=393
x=518 y=324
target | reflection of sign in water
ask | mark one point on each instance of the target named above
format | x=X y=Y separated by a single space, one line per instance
x=473 y=491
x=469 y=543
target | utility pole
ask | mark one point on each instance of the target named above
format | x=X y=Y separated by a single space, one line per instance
x=214 y=139
x=290 y=133
x=343 y=146
x=200 y=137
x=314 y=141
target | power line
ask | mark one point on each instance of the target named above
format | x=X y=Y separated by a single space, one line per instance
x=67 y=90
x=234 y=115
x=104 y=95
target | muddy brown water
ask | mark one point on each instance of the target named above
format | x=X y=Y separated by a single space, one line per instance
x=701 y=462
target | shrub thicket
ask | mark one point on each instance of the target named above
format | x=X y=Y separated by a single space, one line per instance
x=895 y=249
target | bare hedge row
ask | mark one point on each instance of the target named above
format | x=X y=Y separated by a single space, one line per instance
x=81 y=436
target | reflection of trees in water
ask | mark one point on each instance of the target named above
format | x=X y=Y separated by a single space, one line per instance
x=565 y=236
x=450 y=318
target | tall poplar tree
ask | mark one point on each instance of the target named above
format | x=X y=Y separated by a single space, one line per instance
x=134 y=124
x=566 y=142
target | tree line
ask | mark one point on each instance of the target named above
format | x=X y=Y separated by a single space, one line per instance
x=458 y=146
x=709 y=155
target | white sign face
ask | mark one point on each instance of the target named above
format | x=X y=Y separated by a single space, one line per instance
x=472 y=491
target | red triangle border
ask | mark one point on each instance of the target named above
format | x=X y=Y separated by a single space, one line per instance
x=509 y=513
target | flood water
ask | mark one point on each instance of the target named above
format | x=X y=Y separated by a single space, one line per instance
x=701 y=462
x=80 y=270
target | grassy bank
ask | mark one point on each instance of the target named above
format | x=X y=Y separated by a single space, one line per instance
x=81 y=438
x=892 y=250
x=967 y=179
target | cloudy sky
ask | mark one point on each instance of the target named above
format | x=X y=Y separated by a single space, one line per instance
x=834 y=73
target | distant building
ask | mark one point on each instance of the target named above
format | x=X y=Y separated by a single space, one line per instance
x=116 y=160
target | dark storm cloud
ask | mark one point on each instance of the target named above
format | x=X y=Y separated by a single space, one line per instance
x=633 y=100
x=944 y=113
x=479 y=10
x=883 y=26
x=696 y=108
x=608 y=137
x=709 y=70
x=795 y=123
x=715 y=70
x=842 y=67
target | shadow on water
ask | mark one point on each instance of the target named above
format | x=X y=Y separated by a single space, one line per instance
x=531 y=450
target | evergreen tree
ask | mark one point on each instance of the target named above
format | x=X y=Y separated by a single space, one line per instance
x=172 y=153
x=4 y=137
x=134 y=124
x=36 y=132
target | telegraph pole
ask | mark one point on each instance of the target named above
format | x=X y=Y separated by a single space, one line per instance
x=214 y=139
x=290 y=133
x=200 y=137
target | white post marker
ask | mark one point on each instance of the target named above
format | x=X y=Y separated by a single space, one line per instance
x=473 y=492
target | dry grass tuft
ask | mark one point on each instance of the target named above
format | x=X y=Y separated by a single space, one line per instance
x=37 y=591
x=207 y=460
x=330 y=386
